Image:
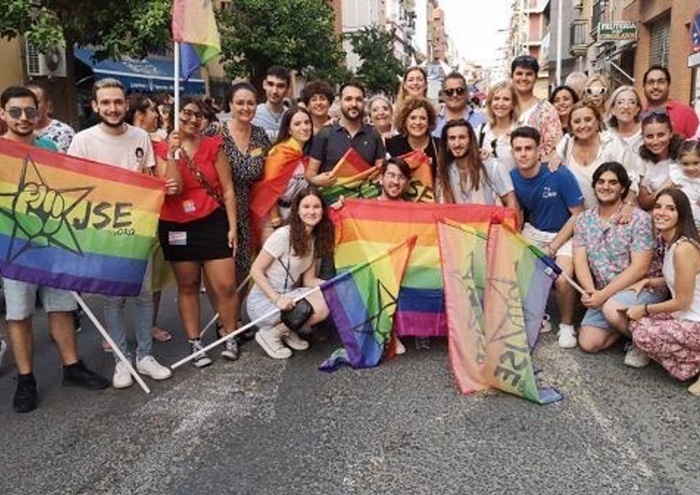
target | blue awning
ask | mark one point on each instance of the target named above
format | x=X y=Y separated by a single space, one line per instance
x=153 y=74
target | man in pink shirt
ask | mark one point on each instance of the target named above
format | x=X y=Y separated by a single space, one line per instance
x=657 y=85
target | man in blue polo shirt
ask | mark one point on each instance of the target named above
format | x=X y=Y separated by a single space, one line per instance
x=455 y=95
x=550 y=201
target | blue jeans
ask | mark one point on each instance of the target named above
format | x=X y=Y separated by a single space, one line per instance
x=116 y=322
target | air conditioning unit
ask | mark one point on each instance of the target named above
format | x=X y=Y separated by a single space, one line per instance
x=51 y=62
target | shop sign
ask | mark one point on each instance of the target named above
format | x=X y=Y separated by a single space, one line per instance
x=617 y=31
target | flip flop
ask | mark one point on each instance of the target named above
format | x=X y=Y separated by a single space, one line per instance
x=160 y=335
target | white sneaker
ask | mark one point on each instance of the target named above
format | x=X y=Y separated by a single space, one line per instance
x=271 y=342
x=292 y=339
x=567 y=336
x=122 y=378
x=400 y=348
x=150 y=367
x=636 y=358
x=202 y=360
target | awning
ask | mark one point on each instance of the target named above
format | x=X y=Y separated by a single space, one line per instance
x=153 y=74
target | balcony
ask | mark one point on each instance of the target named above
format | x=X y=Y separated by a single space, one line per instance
x=578 y=37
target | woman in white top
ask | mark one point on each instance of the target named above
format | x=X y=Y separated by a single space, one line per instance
x=286 y=268
x=462 y=176
x=658 y=153
x=669 y=331
x=624 y=117
x=587 y=147
x=502 y=113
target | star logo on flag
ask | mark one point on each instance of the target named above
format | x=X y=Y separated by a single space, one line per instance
x=39 y=213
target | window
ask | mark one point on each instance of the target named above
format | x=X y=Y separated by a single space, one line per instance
x=660 y=31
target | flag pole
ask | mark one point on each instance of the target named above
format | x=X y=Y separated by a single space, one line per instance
x=112 y=344
x=176 y=73
x=216 y=316
x=239 y=331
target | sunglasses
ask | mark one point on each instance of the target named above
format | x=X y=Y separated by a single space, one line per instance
x=454 y=91
x=189 y=115
x=16 y=112
x=596 y=91
x=657 y=112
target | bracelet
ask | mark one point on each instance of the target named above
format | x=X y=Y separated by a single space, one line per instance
x=646 y=309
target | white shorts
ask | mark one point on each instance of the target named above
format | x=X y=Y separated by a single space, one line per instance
x=541 y=238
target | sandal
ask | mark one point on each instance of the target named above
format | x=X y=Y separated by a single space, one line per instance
x=160 y=335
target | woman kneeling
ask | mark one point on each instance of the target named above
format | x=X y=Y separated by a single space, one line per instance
x=286 y=268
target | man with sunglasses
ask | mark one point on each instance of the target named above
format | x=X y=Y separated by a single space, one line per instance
x=657 y=87
x=19 y=110
x=114 y=142
x=455 y=95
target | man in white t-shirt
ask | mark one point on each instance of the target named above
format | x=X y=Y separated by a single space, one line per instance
x=113 y=142
x=268 y=115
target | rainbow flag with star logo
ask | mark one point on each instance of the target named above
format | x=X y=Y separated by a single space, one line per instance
x=74 y=224
x=367 y=228
x=362 y=303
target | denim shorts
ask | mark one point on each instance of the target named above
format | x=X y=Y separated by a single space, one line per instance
x=20 y=299
x=595 y=317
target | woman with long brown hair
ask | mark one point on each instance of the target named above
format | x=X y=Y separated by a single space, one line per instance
x=287 y=268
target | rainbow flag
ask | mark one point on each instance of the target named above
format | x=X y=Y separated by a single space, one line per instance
x=463 y=261
x=280 y=164
x=507 y=364
x=366 y=228
x=362 y=302
x=420 y=189
x=74 y=224
x=355 y=178
x=536 y=273
x=194 y=27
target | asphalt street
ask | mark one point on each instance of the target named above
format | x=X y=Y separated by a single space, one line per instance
x=259 y=426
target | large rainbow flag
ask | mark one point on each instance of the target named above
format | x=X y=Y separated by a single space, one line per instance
x=362 y=302
x=194 y=27
x=75 y=224
x=367 y=228
x=507 y=364
x=463 y=261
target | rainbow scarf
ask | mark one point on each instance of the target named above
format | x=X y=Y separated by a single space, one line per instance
x=362 y=303
x=74 y=224
x=367 y=228
x=194 y=27
x=280 y=164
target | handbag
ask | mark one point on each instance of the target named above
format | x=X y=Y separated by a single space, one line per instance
x=296 y=317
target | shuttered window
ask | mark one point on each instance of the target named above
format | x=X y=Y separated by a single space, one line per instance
x=660 y=36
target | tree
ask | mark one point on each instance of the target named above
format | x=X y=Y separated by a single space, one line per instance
x=297 y=34
x=115 y=27
x=380 y=69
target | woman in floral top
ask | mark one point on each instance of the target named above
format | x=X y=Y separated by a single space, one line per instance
x=246 y=146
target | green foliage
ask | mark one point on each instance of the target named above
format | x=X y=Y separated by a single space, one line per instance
x=379 y=69
x=118 y=27
x=298 y=34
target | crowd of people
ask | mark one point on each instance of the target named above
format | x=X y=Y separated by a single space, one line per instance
x=605 y=182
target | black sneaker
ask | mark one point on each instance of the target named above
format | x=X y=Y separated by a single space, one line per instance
x=25 y=399
x=77 y=374
x=231 y=350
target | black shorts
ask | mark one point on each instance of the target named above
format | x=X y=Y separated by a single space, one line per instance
x=198 y=240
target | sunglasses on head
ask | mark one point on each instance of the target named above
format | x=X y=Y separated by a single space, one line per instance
x=656 y=112
x=454 y=91
x=29 y=112
x=596 y=91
